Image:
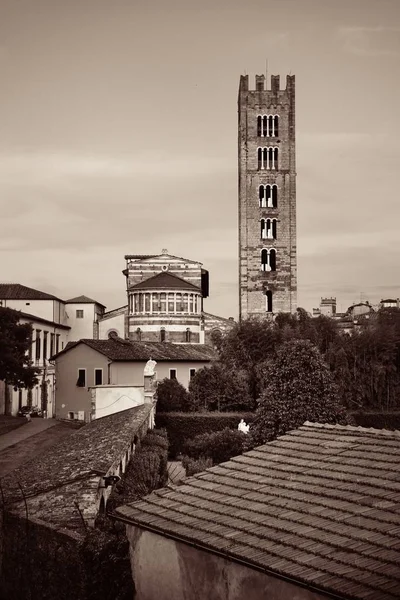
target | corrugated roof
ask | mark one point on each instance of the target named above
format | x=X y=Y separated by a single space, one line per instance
x=118 y=349
x=165 y=281
x=16 y=291
x=83 y=300
x=320 y=505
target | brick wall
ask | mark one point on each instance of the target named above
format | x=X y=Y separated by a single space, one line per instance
x=254 y=282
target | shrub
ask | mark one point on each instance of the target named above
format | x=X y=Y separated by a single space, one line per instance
x=171 y=396
x=186 y=426
x=220 y=446
x=193 y=465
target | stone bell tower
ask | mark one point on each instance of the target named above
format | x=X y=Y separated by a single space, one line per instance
x=267 y=197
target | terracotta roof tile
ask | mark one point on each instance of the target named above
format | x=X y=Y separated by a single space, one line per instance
x=16 y=291
x=320 y=504
x=83 y=300
x=122 y=350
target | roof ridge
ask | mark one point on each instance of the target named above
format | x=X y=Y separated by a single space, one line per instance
x=356 y=428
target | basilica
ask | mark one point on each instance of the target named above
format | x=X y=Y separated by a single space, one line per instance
x=165 y=296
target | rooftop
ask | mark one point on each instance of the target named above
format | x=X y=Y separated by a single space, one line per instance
x=16 y=291
x=83 y=300
x=118 y=349
x=320 y=505
x=67 y=473
x=166 y=281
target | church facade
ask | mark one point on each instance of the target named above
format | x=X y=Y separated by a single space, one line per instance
x=267 y=198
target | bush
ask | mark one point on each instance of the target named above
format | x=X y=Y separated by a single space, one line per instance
x=186 y=426
x=390 y=420
x=171 y=396
x=298 y=387
x=218 y=388
x=145 y=472
x=220 y=446
x=193 y=465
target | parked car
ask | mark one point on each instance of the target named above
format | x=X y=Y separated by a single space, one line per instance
x=33 y=411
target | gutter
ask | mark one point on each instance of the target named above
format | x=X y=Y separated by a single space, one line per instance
x=226 y=556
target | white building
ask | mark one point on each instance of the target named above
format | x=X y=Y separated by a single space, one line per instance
x=54 y=322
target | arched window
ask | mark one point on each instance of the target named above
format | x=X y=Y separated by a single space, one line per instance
x=267 y=125
x=276 y=126
x=162 y=334
x=138 y=334
x=268 y=196
x=267 y=158
x=272 y=259
x=187 y=335
x=268 y=301
x=268 y=229
x=268 y=259
x=264 y=260
x=113 y=333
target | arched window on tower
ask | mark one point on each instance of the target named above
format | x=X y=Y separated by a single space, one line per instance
x=267 y=158
x=259 y=126
x=264 y=260
x=268 y=229
x=272 y=259
x=268 y=301
x=162 y=334
x=276 y=126
x=274 y=198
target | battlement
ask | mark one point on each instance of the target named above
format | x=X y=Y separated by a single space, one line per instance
x=262 y=86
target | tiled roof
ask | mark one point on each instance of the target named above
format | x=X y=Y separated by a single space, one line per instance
x=83 y=300
x=16 y=291
x=68 y=471
x=165 y=281
x=37 y=319
x=118 y=349
x=320 y=505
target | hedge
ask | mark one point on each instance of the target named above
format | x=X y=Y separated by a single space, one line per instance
x=186 y=426
x=388 y=420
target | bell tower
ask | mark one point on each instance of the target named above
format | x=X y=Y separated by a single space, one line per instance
x=267 y=197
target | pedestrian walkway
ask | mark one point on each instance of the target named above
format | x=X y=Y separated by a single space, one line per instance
x=36 y=425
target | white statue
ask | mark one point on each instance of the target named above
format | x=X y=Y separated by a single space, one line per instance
x=149 y=369
x=243 y=427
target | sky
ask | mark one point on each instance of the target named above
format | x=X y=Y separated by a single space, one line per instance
x=118 y=135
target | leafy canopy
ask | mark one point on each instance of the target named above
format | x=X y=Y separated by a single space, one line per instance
x=15 y=339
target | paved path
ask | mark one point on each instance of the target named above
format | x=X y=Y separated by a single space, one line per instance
x=33 y=427
x=28 y=441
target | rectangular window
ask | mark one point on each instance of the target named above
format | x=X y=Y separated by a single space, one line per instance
x=147 y=303
x=30 y=345
x=37 y=355
x=81 y=378
x=172 y=373
x=179 y=307
x=79 y=314
x=171 y=307
x=192 y=373
x=98 y=377
x=45 y=334
x=163 y=301
x=52 y=344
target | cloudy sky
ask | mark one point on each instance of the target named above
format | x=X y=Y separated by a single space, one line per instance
x=118 y=133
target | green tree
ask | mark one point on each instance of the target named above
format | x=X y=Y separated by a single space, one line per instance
x=298 y=387
x=219 y=388
x=171 y=396
x=15 y=339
